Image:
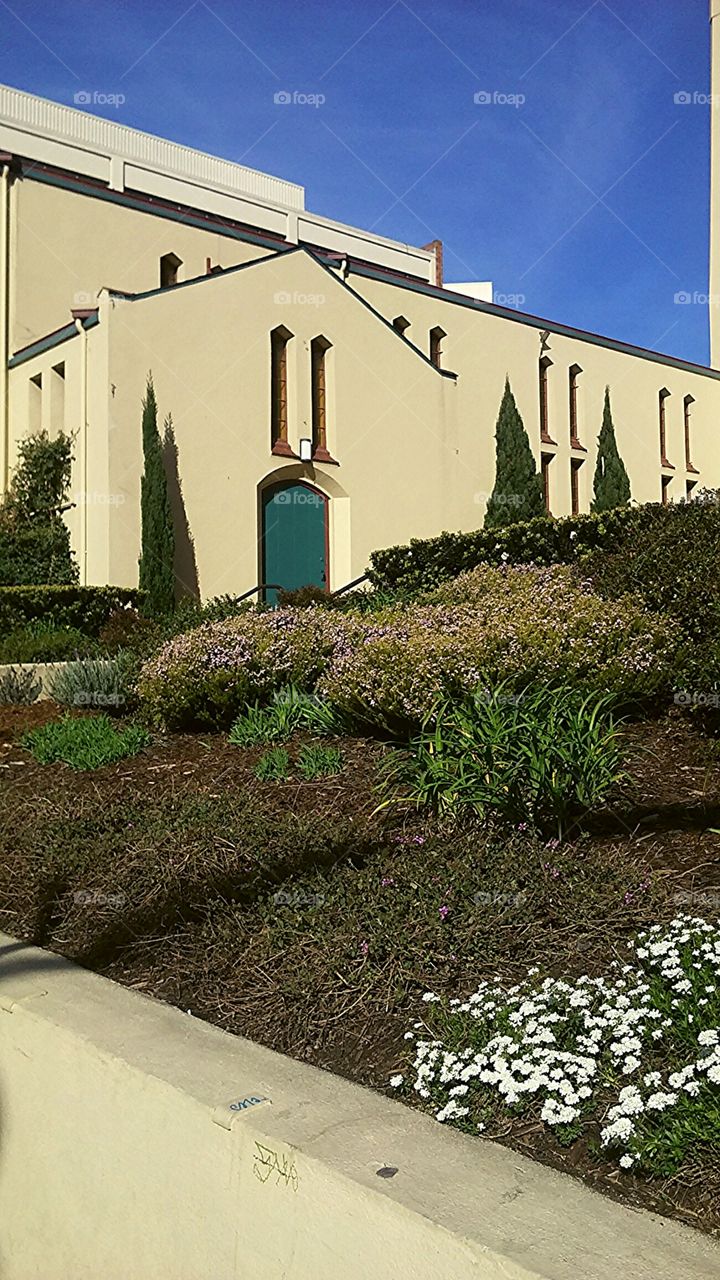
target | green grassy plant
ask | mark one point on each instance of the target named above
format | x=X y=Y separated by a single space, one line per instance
x=540 y=757
x=86 y=742
x=274 y=766
x=318 y=761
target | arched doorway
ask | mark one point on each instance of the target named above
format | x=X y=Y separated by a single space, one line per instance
x=294 y=536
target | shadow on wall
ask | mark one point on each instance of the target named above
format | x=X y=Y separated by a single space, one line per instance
x=185 y=563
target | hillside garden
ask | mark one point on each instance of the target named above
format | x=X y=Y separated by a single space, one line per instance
x=456 y=836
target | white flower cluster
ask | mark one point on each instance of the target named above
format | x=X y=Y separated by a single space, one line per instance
x=563 y=1043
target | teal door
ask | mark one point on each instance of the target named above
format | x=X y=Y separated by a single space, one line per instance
x=294 y=537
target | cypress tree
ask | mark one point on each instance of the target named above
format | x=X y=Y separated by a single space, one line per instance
x=156 y=575
x=611 y=484
x=517 y=494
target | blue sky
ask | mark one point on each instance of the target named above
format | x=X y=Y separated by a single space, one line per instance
x=588 y=200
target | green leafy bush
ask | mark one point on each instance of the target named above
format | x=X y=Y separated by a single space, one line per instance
x=302 y=597
x=126 y=628
x=539 y=757
x=426 y=562
x=672 y=568
x=40 y=642
x=85 y=742
x=35 y=554
x=18 y=686
x=85 y=608
x=102 y=682
x=34 y=540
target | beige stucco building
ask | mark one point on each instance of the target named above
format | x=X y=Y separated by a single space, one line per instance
x=329 y=394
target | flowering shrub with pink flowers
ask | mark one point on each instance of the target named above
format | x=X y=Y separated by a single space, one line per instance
x=523 y=626
x=208 y=675
x=388 y=668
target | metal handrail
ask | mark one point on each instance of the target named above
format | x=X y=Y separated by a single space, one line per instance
x=349 y=585
x=261 y=586
x=275 y=586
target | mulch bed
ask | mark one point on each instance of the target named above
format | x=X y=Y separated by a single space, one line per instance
x=236 y=966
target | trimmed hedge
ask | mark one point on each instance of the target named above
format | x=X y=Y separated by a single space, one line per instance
x=85 y=608
x=426 y=562
x=35 y=554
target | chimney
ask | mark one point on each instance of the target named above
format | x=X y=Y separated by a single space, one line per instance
x=436 y=248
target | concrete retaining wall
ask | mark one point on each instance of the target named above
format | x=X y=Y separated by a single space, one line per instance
x=137 y=1143
x=45 y=672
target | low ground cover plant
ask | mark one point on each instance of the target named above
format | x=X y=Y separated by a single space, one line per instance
x=538 y=757
x=634 y=1055
x=85 y=742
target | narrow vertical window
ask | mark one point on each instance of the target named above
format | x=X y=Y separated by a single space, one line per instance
x=35 y=403
x=279 y=339
x=318 y=372
x=545 y=437
x=574 y=374
x=687 y=415
x=436 y=336
x=170 y=264
x=57 y=398
x=575 y=465
x=662 y=401
x=401 y=324
x=545 y=460
x=665 y=482
x=689 y=486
